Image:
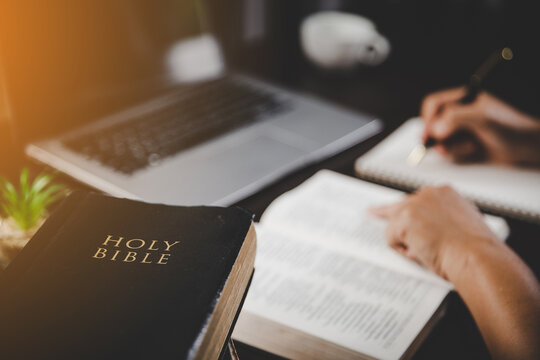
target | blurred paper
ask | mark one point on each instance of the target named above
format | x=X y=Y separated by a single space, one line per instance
x=506 y=190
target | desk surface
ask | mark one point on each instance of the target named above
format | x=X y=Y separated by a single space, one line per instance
x=456 y=335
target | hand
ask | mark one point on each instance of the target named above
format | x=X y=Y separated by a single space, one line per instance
x=446 y=233
x=498 y=132
x=437 y=228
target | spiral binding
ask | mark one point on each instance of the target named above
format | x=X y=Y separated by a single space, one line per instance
x=409 y=183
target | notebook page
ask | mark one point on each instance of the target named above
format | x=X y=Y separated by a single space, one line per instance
x=503 y=189
x=334 y=296
x=331 y=210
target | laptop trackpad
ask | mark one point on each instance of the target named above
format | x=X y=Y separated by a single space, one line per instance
x=226 y=170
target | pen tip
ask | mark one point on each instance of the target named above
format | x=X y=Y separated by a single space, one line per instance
x=416 y=155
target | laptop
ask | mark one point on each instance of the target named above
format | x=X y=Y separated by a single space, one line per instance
x=133 y=98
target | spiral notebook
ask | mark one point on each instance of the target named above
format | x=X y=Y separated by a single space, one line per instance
x=513 y=192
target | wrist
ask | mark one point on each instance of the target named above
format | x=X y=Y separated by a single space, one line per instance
x=528 y=150
x=461 y=257
x=525 y=141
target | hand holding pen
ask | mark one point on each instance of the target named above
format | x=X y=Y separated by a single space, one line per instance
x=466 y=124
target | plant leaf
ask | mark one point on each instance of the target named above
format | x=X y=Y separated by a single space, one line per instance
x=28 y=205
x=41 y=181
x=24 y=182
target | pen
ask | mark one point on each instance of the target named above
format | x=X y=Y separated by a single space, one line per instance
x=472 y=90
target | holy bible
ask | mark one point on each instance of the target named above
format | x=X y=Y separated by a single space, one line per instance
x=108 y=278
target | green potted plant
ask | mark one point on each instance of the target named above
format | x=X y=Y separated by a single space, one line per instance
x=24 y=209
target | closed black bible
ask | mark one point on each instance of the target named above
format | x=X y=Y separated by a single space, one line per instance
x=116 y=278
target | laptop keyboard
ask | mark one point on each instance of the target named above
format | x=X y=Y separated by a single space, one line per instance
x=202 y=112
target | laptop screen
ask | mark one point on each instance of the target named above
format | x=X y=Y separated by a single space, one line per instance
x=68 y=62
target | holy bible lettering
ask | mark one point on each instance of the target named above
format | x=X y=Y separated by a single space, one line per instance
x=80 y=289
x=135 y=250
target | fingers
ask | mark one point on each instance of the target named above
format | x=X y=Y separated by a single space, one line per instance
x=433 y=104
x=457 y=132
x=385 y=211
x=402 y=217
x=444 y=116
x=399 y=220
x=397 y=233
x=452 y=119
x=428 y=227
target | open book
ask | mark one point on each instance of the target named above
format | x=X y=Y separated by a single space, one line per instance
x=326 y=284
x=510 y=191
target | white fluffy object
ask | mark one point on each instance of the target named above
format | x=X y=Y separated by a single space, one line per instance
x=337 y=40
x=195 y=59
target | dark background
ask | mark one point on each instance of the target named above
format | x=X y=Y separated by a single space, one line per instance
x=434 y=44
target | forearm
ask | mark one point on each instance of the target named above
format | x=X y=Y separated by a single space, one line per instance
x=503 y=296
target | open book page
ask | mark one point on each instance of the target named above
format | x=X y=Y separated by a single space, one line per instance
x=513 y=191
x=337 y=297
x=332 y=210
x=323 y=267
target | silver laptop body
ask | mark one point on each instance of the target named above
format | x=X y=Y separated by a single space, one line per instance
x=110 y=92
x=227 y=168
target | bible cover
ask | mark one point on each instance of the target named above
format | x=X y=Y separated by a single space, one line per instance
x=116 y=278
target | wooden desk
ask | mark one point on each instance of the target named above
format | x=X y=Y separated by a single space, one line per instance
x=456 y=335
